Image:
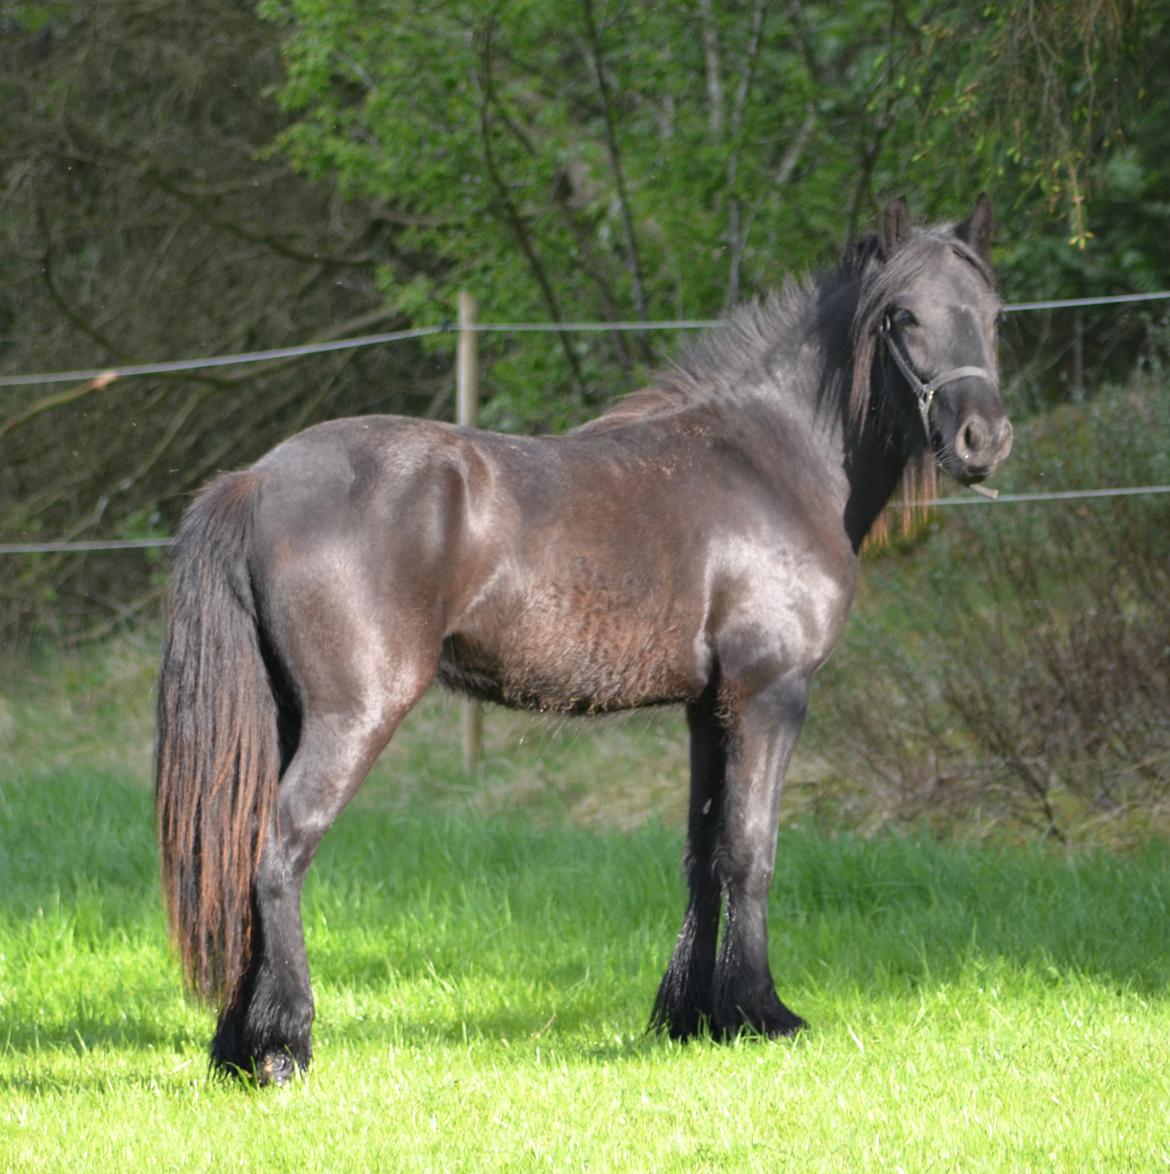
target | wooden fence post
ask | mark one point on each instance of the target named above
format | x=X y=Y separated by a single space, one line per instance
x=467 y=414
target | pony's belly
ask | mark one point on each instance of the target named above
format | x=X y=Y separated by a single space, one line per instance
x=541 y=653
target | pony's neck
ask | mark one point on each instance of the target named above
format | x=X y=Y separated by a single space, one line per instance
x=871 y=449
x=874 y=464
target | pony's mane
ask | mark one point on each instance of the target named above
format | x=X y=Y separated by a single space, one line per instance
x=720 y=360
x=738 y=352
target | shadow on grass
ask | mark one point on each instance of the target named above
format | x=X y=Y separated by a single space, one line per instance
x=503 y=909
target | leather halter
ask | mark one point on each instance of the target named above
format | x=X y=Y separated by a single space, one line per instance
x=924 y=390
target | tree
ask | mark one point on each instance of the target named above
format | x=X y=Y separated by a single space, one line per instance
x=140 y=222
x=577 y=159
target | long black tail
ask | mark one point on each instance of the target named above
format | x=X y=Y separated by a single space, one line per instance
x=217 y=761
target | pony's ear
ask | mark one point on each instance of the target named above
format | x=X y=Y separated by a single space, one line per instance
x=976 y=229
x=895 y=226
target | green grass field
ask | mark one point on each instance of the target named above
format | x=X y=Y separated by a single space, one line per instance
x=485 y=955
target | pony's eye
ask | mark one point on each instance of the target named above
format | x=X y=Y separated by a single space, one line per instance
x=903 y=318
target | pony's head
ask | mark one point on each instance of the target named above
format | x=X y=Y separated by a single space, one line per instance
x=925 y=340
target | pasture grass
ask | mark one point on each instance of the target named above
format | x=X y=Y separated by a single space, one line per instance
x=483 y=983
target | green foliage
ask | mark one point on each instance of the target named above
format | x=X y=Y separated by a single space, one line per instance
x=570 y=160
x=34 y=16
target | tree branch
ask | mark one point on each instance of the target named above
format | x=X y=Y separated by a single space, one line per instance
x=58 y=298
x=737 y=232
x=508 y=206
x=58 y=400
x=747 y=75
x=615 y=162
x=714 y=68
x=71 y=395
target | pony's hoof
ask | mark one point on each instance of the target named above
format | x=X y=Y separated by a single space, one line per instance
x=787 y=1026
x=276 y=1068
x=774 y=1022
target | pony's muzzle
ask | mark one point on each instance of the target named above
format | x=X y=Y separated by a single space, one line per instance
x=982 y=445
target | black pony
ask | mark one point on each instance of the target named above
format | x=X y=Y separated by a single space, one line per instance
x=697 y=544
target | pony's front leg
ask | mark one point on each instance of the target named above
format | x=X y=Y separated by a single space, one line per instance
x=762 y=732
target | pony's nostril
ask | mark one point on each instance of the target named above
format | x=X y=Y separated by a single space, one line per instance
x=973 y=439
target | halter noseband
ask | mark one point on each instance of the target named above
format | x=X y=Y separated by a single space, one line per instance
x=924 y=390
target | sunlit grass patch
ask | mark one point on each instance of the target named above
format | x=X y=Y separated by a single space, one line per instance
x=483 y=984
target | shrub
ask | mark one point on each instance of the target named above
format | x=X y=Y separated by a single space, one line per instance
x=1017 y=664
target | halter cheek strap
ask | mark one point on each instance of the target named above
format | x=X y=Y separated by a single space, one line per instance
x=924 y=390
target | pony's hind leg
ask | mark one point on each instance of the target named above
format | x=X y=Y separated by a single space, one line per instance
x=266 y=1029
x=684 y=1005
